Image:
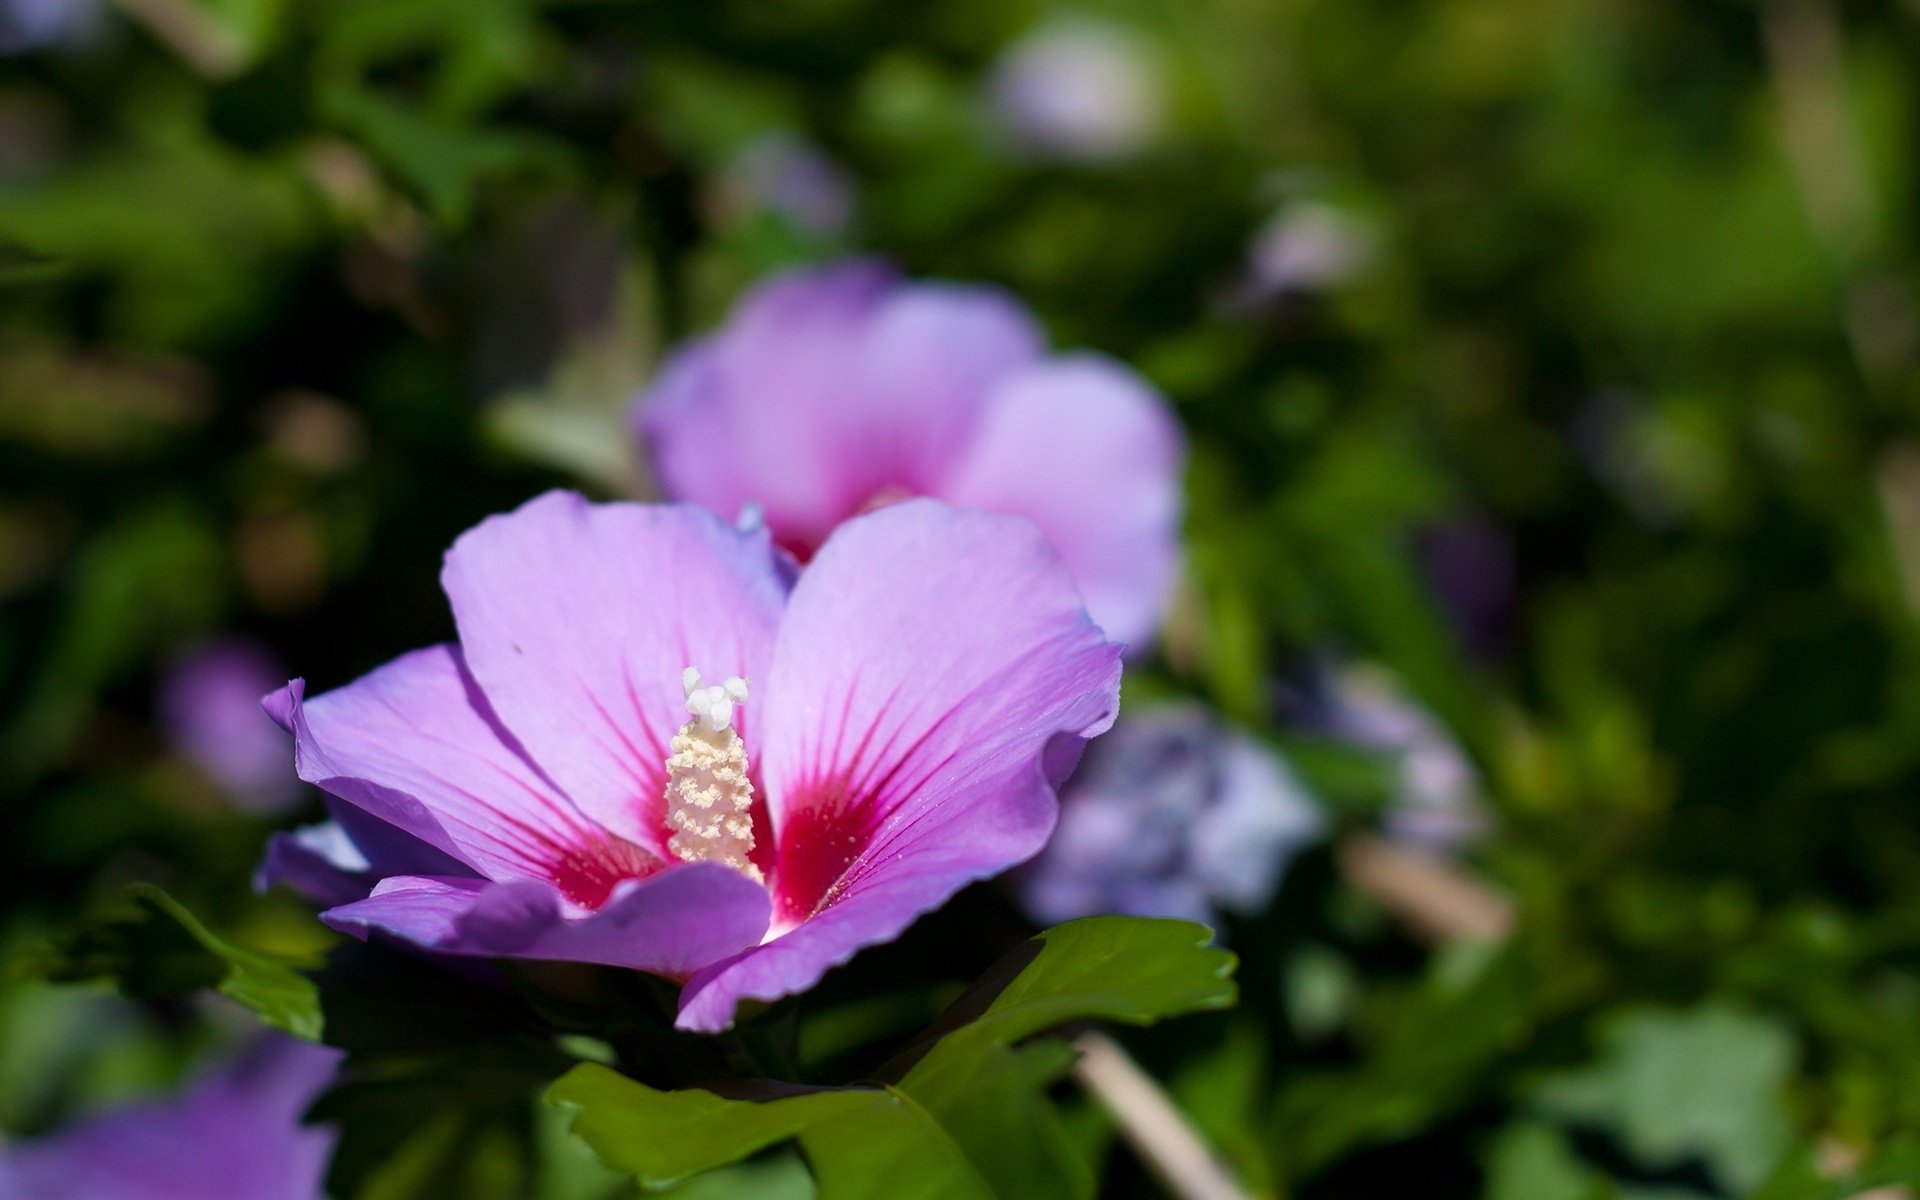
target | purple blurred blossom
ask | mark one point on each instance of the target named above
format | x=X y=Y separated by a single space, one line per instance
x=1172 y=814
x=1436 y=801
x=783 y=174
x=1468 y=564
x=209 y=709
x=1078 y=90
x=30 y=25
x=832 y=391
x=915 y=694
x=1306 y=246
x=235 y=1133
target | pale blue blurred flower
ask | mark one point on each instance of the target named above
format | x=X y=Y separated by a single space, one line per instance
x=30 y=25
x=1079 y=90
x=1171 y=814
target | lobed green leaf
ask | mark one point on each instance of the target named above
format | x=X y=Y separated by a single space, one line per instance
x=962 y=1113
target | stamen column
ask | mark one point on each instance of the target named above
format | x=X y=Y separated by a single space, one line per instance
x=709 y=797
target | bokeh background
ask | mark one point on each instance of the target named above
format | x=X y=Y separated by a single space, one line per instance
x=1550 y=365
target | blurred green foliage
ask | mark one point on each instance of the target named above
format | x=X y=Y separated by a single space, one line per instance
x=291 y=293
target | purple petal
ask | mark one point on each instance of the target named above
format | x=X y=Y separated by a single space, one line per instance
x=414 y=745
x=341 y=859
x=577 y=619
x=209 y=708
x=743 y=416
x=1088 y=451
x=670 y=924
x=234 y=1133
x=887 y=901
x=828 y=390
x=318 y=861
x=933 y=353
x=929 y=660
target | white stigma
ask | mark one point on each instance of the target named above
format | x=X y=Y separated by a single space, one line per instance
x=709 y=797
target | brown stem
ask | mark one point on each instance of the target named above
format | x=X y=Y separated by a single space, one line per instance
x=1158 y=1132
x=1437 y=899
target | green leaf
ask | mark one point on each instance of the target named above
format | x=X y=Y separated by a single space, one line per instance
x=137 y=584
x=439 y=1124
x=663 y=1137
x=478 y=51
x=1222 y=1089
x=992 y=1103
x=441 y=162
x=1135 y=970
x=172 y=274
x=567 y=1170
x=781 y=1175
x=1424 y=1052
x=1709 y=1083
x=23 y=265
x=161 y=949
x=1531 y=1161
x=962 y=1113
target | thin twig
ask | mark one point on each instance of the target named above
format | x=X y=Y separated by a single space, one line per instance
x=1434 y=897
x=1158 y=1132
x=200 y=41
x=1898 y=476
x=1837 y=1158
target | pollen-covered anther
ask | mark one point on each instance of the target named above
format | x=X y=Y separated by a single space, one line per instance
x=709 y=797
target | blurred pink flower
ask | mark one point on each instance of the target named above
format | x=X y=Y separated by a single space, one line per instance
x=836 y=390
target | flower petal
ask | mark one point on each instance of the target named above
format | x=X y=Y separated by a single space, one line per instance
x=414 y=745
x=318 y=861
x=886 y=904
x=670 y=924
x=826 y=389
x=934 y=351
x=576 y=620
x=933 y=673
x=235 y=1131
x=1088 y=451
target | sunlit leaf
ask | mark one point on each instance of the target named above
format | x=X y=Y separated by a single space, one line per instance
x=961 y=1113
